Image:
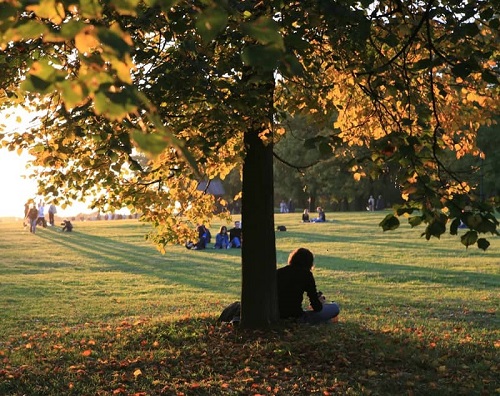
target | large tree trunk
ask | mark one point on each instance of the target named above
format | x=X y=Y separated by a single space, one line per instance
x=259 y=305
x=258 y=293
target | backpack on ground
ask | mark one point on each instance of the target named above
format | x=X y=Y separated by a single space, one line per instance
x=231 y=314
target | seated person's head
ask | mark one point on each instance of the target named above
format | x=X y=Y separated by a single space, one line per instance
x=301 y=257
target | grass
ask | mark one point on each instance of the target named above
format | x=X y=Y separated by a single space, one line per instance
x=99 y=311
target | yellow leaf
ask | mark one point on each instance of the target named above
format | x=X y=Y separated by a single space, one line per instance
x=86 y=41
x=49 y=9
x=137 y=373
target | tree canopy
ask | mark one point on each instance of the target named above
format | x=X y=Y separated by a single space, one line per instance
x=203 y=87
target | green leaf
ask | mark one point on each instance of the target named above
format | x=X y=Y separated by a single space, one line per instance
x=211 y=22
x=469 y=238
x=114 y=106
x=71 y=28
x=8 y=16
x=151 y=143
x=436 y=229
x=454 y=226
x=113 y=41
x=36 y=85
x=264 y=57
x=415 y=221
x=389 y=223
x=489 y=77
x=265 y=31
x=73 y=93
x=90 y=9
x=28 y=30
x=290 y=66
x=483 y=243
x=461 y=70
x=125 y=7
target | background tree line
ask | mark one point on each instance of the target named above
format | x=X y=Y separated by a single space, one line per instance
x=309 y=178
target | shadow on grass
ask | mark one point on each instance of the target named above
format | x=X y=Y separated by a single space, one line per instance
x=200 y=357
x=204 y=270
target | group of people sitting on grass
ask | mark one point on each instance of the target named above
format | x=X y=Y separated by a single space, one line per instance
x=320 y=219
x=224 y=239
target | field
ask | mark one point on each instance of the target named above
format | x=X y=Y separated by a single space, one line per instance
x=100 y=312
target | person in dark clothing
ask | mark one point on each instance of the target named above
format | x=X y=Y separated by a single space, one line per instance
x=204 y=237
x=67 y=226
x=295 y=279
x=33 y=218
x=235 y=235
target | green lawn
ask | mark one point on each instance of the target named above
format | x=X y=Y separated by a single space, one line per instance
x=100 y=311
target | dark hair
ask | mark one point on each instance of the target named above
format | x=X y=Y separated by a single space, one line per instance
x=301 y=257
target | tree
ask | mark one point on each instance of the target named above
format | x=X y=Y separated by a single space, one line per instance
x=201 y=86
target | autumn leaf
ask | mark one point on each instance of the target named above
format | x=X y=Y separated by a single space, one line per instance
x=87 y=352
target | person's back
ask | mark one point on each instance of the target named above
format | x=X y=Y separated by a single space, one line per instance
x=293 y=282
x=33 y=213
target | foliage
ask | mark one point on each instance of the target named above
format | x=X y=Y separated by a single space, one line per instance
x=179 y=79
x=102 y=312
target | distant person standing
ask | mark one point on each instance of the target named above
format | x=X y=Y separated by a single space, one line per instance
x=52 y=212
x=291 y=208
x=371 y=203
x=33 y=218
x=380 y=203
x=283 y=206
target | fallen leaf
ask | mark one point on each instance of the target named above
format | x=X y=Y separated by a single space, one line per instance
x=87 y=352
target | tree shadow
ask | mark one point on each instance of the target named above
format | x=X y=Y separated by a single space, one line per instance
x=204 y=270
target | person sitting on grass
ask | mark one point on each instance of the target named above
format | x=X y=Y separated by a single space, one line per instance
x=305 y=216
x=67 y=226
x=235 y=235
x=293 y=280
x=321 y=215
x=222 y=239
x=203 y=238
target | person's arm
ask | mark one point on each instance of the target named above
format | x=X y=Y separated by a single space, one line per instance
x=312 y=293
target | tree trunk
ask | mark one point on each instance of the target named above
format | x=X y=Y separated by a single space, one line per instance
x=258 y=293
x=259 y=305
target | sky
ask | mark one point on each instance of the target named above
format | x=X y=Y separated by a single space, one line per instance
x=15 y=189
